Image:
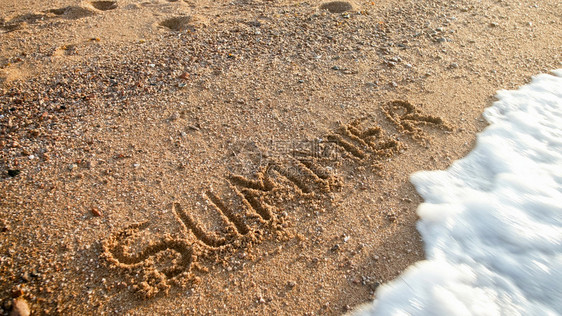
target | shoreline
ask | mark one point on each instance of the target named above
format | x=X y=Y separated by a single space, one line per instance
x=110 y=126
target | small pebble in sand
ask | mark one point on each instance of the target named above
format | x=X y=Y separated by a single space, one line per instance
x=4 y=226
x=20 y=307
x=96 y=212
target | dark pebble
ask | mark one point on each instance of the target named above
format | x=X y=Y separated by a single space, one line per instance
x=25 y=277
x=14 y=172
x=4 y=226
x=373 y=286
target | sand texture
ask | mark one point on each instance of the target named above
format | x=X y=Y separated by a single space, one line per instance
x=237 y=157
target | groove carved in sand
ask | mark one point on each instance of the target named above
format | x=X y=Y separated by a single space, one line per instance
x=117 y=252
x=301 y=172
x=371 y=142
x=409 y=120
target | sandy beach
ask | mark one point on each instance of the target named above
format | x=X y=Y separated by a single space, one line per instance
x=237 y=157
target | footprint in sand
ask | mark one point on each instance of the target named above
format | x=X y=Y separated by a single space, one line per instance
x=179 y=23
x=11 y=73
x=20 y=21
x=104 y=5
x=337 y=6
x=70 y=13
x=77 y=12
x=183 y=23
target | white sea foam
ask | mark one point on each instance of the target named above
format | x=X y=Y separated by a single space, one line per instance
x=492 y=222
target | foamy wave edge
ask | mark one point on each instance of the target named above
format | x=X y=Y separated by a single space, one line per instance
x=492 y=222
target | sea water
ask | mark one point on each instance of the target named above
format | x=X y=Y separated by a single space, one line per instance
x=492 y=222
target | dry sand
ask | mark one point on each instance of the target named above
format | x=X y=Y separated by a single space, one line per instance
x=237 y=157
